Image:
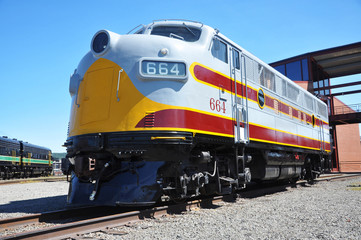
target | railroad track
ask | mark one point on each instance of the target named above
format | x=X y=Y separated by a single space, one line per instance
x=76 y=228
x=30 y=180
x=58 y=217
x=103 y=219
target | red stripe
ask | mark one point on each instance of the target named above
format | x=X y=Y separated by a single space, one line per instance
x=179 y=118
x=267 y=134
x=269 y=102
x=220 y=81
x=211 y=77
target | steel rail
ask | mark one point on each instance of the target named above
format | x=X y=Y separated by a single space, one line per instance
x=335 y=177
x=19 y=221
x=75 y=229
x=58 y=216
x=31 y=180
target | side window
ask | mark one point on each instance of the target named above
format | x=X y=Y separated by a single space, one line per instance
x=284 y=88
x=219 y=50
x=280 y=86
x=308 y=102
x=236 y=62
x=292 y=92
x=266 y=77
x=322 y=110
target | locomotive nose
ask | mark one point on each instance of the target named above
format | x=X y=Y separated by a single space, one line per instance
x=102 y=41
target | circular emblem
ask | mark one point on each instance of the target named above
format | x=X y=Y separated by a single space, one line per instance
x=313 y=120
x=260 y=98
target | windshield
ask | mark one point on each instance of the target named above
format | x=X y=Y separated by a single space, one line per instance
x=189 y=34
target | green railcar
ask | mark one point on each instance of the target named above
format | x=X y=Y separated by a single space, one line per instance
x=21 y=159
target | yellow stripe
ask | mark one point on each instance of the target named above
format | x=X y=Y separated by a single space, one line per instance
x=161 y=138
x=219 y=87
x=188 y=130
x=204 y=112
x=211 y=85
x=277 y=130
x=292 y=145
x=232 y=136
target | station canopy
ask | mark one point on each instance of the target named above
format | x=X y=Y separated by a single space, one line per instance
x=334 y=62
x=339 y=61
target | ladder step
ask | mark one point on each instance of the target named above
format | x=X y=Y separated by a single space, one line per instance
x=228 y=179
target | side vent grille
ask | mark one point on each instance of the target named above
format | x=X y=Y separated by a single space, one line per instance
x=149 y=119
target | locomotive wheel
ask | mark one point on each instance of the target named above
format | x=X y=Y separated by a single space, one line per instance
x=310 y=176
x=31 y=173
x=11 y=173
x=293 y=180
x=6 y=174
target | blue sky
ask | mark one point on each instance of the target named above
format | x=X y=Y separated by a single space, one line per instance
x=42 y=42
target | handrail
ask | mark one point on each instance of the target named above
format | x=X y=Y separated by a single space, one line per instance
x=140 y=25
x=120 y=71
x=180 y=20
x=353 y=108
x=246 y=88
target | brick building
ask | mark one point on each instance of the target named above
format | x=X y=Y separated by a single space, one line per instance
x=313 y=72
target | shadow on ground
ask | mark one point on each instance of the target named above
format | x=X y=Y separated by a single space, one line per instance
x=37 y=205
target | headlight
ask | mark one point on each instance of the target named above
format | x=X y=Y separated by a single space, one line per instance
x=100 y=42
x=103 y=41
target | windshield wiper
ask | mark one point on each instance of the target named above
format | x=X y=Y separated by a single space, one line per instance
x=189 y=29
x=172 y=35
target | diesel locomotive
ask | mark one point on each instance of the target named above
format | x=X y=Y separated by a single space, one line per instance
x=175 y=110
x=21 y=159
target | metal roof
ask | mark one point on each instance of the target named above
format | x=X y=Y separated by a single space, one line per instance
x=340 y=61
x=348 y=118
x=336 y=62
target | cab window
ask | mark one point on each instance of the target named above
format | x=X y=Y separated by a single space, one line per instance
x=186 y=33
x=219 y=50
x=236 y=62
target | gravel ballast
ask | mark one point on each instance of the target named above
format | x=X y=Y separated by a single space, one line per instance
x=29 y=198
x=325 y=210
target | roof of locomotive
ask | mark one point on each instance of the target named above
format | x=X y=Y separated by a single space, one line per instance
x=277 y=73
x=207 y=34
x=25 y=144
x=206 y=31
x=146 y=29
x=268 y=67
x=9 y=140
